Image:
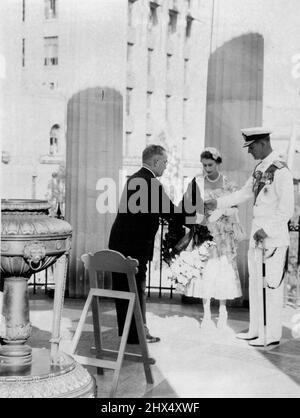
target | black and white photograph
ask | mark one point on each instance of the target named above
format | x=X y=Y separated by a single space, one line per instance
x=150 y=201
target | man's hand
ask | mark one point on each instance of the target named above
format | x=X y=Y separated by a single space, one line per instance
x=259 y=236
x=210 y=205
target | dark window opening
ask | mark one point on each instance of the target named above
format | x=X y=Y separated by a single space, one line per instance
x=172 y=21
x=188 y=28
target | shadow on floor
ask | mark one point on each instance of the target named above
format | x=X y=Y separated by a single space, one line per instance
x=188 y=362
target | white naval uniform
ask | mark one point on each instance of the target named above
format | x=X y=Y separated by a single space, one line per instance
x=273 y=208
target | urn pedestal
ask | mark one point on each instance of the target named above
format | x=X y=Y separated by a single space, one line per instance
x=31 y=241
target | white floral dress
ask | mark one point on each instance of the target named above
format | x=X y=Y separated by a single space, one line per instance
x=210 y=271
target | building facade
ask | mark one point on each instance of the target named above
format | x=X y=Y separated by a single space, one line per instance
x=52 y=49
x=86 y=86
x=55 y=48
x=253 y=80
x=167 y=56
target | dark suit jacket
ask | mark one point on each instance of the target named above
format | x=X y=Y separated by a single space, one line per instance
x=133 y=231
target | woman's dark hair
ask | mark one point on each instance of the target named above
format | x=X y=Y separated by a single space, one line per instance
x=208 y=155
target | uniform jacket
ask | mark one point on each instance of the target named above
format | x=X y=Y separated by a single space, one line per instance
x=273 y=206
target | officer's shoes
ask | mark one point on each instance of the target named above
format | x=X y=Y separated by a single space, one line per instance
x=246 y=336
x=258 y=342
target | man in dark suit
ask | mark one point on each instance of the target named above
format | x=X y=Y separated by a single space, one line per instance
x=142 y=203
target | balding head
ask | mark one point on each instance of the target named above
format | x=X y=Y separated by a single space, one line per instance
x=155 y=158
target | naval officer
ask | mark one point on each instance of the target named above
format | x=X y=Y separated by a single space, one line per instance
x=271 y=188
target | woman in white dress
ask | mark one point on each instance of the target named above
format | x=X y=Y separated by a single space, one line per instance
x=220 y=276
x=209 y=270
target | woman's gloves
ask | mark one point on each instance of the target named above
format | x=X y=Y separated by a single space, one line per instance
x=217 y=213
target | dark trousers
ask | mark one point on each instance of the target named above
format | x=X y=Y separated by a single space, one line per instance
x=120 y=282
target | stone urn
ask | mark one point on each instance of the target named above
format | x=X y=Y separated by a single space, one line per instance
x=32 y=241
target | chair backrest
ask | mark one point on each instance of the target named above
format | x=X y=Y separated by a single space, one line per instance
x=110 y=261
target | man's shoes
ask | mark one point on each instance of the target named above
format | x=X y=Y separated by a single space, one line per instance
x=151 y=339
x=246 y=336
x=151 y=360
x=259 y=343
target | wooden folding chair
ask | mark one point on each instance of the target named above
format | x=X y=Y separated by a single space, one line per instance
x=112 y=261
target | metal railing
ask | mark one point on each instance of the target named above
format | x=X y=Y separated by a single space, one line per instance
x=292 y=290
x=159 y=286
x=36 y=280
x=42 y=280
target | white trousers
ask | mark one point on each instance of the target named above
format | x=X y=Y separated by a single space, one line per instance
x=274 y=265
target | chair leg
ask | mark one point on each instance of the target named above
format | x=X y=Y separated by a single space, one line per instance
x=123 y=343
x=97 y=331
x=142 y=341
x=141 y=331
x=81 y=323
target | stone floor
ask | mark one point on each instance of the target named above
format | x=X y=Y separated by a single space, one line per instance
x=189 y=362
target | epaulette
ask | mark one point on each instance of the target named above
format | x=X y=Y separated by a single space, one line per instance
x=279 y=164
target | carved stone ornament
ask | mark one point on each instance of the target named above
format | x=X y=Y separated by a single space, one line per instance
x=71 y=381
x=34 y=253
x=32 y=241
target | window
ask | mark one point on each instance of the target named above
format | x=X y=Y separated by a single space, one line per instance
x=169 y=60
x=23 y=52
x=50 y=9
x=128 y=145
x=128 y=100
x=129 y=54
x=168 y=105
x=149 y=61
x=172 y=21
x=51 y=50
x=184 y=111
x=54 y=140
x=23 y=10
x=152 y=16
x=185 y=70
x=130 y=10
x=188 y=28
x=149 y=100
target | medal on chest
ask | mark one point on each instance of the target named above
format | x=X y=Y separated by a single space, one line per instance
x=263 y=180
